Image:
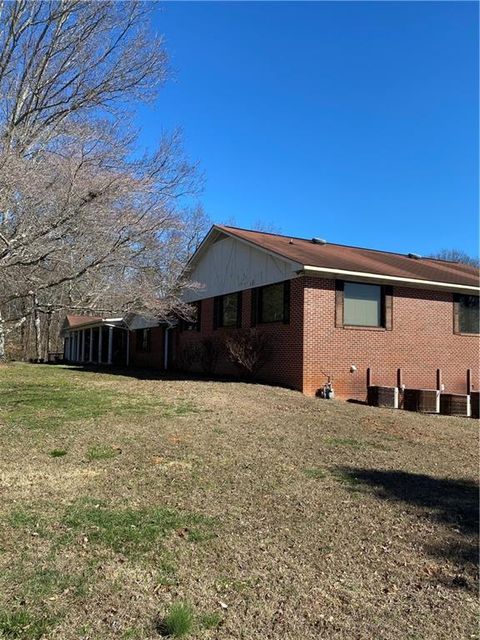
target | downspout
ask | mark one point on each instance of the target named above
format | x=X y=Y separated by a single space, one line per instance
x=165 y=348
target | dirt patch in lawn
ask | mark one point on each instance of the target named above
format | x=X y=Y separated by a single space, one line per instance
x=140 y=508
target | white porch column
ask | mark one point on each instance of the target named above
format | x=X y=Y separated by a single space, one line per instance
x=100 y=336
x=90 y=355
x=110 y=344
x=82 y=352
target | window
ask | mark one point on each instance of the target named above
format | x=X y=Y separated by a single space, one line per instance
x=193 y=323
x=466 y=316
x=271 y=303
x=363 y=305
x=228 y=310
x=143 y=339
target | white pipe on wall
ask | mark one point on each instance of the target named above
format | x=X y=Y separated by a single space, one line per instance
x=165 y=349
x=110 y=344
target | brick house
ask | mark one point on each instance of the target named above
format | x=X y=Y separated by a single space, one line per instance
x=335 y=311
x=331 y=311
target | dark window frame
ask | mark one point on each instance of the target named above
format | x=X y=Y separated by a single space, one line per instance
x=218 y=311
x=143 y=340
x=257 y=304
x=193 y=325
x=457 y=319
x=386 y=307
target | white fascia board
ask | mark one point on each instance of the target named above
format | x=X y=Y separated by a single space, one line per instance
x=105 y=322
x=413 y=282
x=137 y=321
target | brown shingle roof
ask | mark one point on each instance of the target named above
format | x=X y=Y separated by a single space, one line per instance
x=335 y=256
x=74 y=321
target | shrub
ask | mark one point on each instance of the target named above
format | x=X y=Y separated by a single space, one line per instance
x=187 y=356
x=210 y=350
x=249 y=350
x=210 y=620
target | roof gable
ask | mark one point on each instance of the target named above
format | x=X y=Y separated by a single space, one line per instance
x=224 y=264
x=72 y=321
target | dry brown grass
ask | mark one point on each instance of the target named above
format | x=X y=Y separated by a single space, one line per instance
x=267 y=514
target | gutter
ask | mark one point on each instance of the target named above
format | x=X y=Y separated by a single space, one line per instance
x=414 y=282
x=166 y=347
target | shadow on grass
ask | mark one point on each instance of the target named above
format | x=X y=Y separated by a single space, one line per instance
x=171 y=374
x=452 y=502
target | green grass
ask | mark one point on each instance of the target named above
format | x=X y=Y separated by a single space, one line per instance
x=345 y=442
x=346 y=478
x=124 y=530
x=131 y=634
x=178 y=622
x=129 y=531
x=166 y=572
x=58 y=453
x=101 y=453
x=44 y=398
x=22 y=625
x=317 y=474
x=210 y=620
x=46 y=582
x=355 y=444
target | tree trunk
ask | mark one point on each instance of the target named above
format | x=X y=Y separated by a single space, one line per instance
x=48 y=335
x=2 y=339
x=38 y=329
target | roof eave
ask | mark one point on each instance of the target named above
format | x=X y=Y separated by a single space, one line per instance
x=416 y=283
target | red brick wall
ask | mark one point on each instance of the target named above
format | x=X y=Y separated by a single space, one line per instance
x=421 y=341
x=310 y=347
x=285 y=367
x=152 y=359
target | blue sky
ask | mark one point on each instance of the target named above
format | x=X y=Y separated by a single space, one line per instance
x=357 y=122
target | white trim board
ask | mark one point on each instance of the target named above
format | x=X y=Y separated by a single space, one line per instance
x=412 y=282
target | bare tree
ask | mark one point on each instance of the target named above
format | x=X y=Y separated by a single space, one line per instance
x=81 y=222
x=456 y=255
x=66 y=59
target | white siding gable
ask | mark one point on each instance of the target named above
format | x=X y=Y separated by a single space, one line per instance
x=229 y=264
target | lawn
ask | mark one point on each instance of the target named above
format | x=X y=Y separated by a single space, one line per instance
x=134 y=508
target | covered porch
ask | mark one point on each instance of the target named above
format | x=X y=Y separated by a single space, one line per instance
x=98 y=341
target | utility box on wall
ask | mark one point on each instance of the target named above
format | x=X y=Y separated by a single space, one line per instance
x=382 y=397
x=421 y=400
x=474 y=404
x=455 y=404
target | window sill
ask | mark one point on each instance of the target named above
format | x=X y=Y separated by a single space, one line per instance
x=471 y=335
x=227 y=327
x=362 y=328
